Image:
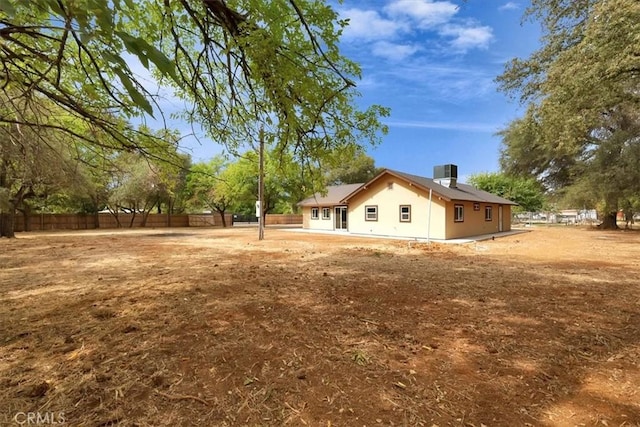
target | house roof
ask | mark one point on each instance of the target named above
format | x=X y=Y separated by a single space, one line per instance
x=462 y=192
x=335 y=195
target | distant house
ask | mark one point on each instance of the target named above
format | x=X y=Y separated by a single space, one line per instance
x=402 y=205
x=572 y=216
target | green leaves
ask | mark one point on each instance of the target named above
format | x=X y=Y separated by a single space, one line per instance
x=269 y=62
x=7 y=8
x=351 y=168
x=137 y=97
x=147 y=52
x=582 y=123
x=525 y=192
x=240 y=66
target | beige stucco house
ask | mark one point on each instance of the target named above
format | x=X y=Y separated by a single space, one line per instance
x=403 y=205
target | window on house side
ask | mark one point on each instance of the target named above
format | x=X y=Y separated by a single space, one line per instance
x=326 y=213
x=314 y=213
x=371 y=213
x=458 y=213
x=405 y=213
x=488 y=213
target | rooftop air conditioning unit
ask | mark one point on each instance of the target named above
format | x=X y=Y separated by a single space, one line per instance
x=446 y=175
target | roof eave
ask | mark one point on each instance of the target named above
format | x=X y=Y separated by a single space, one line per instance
x=400 y=177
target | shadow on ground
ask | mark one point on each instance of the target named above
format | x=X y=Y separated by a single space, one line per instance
x=241 y=334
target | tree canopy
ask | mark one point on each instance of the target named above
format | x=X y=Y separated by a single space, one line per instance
x=351 y=168
x=582 y=126
x=286 y=183
x=35 y=163
x=207 y=190
x=526 y=192
x=246 y=68
x=239 y=63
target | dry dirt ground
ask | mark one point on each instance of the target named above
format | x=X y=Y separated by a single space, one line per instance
x=209 y=327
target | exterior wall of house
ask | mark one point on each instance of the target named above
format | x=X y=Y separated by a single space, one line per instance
x=317 y=224
x=506 y=214
x=388 y=194
x=474 y=222
x=306 y=217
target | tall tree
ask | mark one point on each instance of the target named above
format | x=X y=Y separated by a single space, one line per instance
x=134 y=188
x=583 y=90
x=351 y=168
x=240 y=63
x=34 y=163
x=243 y=65
x=286 y=182
x=170 y=175
x=207 y=189
x=527 y=193
x=140 y=184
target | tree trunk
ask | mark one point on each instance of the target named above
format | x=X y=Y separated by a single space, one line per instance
x=133 y=217
x=609 y=222
x=610 y=219
x=222 y=218
x=269 y=206
x=115 y=214
x=6 y=224
x=96 y=214
x=628 y=219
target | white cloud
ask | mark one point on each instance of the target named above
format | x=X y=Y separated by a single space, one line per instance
x=454 y=84
x=509 y=6
x=393 y=51
x=368 y=81
x=426 y=13
x=413 y=18
x=369 y=25
x=468 y=37
x=462 y=126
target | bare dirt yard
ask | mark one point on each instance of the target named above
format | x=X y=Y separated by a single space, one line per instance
x=209 y=327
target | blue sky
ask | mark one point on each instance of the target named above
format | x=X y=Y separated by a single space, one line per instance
x=434 y=64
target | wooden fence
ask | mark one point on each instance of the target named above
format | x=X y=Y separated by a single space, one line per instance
x=283 y=219
x=153 y=220
x=210 y=220
x=39 y=222
x=42 y=222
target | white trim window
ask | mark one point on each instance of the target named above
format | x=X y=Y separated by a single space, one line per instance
x=315 y=213
x=326 y=213
x=371 y=213
x=458 y=213
x=488 y=213
x=405 y=213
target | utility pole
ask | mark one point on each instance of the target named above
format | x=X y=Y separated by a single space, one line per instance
x=261 y=217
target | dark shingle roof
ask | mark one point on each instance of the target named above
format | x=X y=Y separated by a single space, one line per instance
x=461 y=192
x=335 y=195
x=340 y=194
